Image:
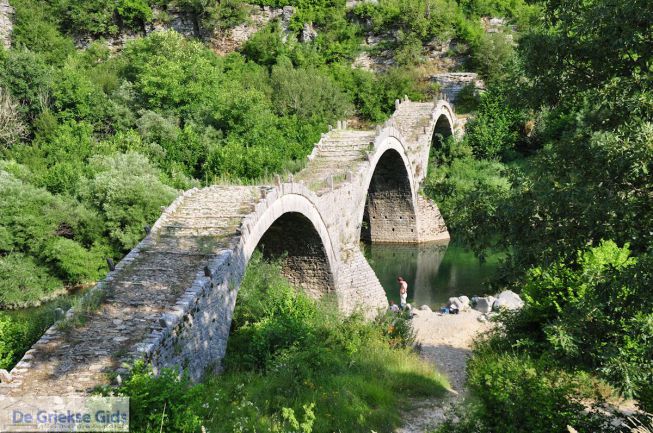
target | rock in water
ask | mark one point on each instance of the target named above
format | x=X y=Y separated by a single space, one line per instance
x=484 y=304
x=508 y=300
x=425 y=308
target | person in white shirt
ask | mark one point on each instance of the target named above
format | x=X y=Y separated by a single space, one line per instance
x=403 y=291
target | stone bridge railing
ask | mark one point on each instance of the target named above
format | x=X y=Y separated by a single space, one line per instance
x=171 y=299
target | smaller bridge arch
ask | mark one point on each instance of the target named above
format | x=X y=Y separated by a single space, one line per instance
x=389 y=213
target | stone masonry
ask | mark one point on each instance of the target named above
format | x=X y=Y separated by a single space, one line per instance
x=170 y=300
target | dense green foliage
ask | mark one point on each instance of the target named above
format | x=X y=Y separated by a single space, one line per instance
x=292 y=365
x=516 y=393
x=570 y=125
x=21 y=329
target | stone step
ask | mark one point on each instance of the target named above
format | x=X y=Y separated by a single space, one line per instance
x=342 y=155
x=346 y=145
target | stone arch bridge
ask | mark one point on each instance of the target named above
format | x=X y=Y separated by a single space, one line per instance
x=170 y=300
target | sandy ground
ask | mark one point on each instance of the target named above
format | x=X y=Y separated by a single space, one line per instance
x=446 y=342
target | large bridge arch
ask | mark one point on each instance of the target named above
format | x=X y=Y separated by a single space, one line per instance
x=389 y=213
x=292 y=229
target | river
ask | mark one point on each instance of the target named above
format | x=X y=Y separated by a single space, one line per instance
x=434 y=271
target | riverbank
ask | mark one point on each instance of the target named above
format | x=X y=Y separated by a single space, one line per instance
x=446 y=341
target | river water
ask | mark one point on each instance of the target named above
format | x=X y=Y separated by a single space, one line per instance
x=434 y=271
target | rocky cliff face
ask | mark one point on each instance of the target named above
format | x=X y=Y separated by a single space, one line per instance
x=222 y=41
x=228 y=40
x=6 y=24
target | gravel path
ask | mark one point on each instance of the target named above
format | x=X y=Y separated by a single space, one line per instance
x=446 y=342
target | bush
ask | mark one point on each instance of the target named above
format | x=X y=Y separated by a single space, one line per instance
x=307 y=93
x=73 y=263
x=127 y=190
x=514 y=393
x=21 y=329
x=36 y=30
x=24 y=282
x=593 y=314
x=470 y=194
x=12 y=128
x=43 y=236
x=28 y=78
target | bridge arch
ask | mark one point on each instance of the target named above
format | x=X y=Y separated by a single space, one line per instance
x=443 y=129
x=388 y=213
x=292 y=229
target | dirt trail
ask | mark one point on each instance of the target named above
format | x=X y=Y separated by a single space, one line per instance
x=446 y=342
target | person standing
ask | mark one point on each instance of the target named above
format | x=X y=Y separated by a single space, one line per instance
x=403 y=292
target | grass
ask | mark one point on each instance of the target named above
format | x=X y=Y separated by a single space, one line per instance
x=293 y=364
x=83 y=307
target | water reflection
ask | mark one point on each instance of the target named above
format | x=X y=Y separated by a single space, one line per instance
x=434 y=272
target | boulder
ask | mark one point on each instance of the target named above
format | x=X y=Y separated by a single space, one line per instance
x=425 y=308
x=5 y=376
x=508 y=300
x=484 y=304
x=456 y=302
x=464 y=299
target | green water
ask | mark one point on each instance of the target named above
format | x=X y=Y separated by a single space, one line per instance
x=434 y=272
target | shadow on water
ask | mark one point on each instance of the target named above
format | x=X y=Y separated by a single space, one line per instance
x=434 y=271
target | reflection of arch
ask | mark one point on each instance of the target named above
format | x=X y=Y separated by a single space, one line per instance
x=292 y=229
x=389 y=210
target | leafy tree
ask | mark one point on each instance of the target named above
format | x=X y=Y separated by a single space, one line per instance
x=307 y=93
x=494 y=130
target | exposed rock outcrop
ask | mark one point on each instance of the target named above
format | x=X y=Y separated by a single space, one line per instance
x=229 y=40
x=451 y=83
x=6 y=23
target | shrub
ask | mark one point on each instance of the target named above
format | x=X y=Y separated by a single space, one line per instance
x=470 y=194
x=21 y=329
x=167 y=402
x=24 y=282
x=73 y=263
x=43 y=235
x=594 y=313
x=28 y=78
x=307 y=93
x=36 y=29
x=514 y=393
x=128 y=192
